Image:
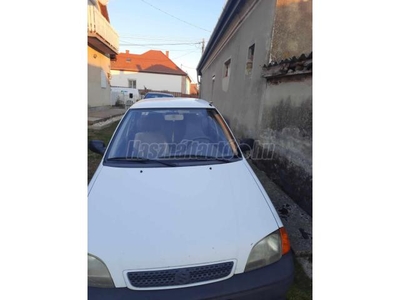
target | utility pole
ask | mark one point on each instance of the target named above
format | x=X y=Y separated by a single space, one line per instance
x=202 y=46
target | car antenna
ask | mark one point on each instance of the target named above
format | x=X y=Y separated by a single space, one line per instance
x=210 y=103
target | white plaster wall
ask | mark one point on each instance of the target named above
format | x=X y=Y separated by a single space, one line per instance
x=151 y=81
x=98 y=85
x=185 y=85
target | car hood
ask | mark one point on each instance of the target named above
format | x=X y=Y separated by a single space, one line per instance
x=148 y=218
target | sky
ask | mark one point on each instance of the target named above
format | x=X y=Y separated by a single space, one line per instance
x=177 y=26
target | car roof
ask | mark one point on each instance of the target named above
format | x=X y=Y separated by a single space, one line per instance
x=169 y=102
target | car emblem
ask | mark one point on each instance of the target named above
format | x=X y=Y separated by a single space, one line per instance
x=182 y=277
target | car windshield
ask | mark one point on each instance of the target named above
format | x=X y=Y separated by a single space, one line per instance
x=156 y=95
x=172 y=134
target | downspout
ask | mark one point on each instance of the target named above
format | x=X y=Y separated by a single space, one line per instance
x=269 y=59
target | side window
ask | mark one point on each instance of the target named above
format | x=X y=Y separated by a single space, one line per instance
x=227 y=68
x=226 y=132
x=250 y=57
x=132 y=83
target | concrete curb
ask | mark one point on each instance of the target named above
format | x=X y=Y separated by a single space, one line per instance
x=100 y=118
x=296 y=221
x=102 y=123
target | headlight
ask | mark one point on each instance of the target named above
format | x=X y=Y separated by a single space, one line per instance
x=265 y=252
x=98 y=274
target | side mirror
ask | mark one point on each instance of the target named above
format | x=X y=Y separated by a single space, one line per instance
x=97 y=146
x=246 y=145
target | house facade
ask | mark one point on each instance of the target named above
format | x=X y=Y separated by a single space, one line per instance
x=152 y=70
x=194 y=89
x=256 y=68
x=103 y=44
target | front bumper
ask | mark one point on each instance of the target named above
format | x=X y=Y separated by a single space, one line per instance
x=270 y=282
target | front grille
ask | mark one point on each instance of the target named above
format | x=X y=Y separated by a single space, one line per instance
x=181 y=276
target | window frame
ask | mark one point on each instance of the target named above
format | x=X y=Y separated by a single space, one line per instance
x=250 y=59
x=227 y=68
x=133 y=86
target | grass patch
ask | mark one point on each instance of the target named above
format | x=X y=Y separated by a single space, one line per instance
x=301 y=288
x=98 y=134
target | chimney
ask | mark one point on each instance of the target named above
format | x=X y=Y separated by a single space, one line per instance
x=126 y=51
x=167 y=53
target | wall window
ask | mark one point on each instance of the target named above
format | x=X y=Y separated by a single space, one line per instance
x=227 y=68
x=103 y=79
x=250 y=57
x=132 y=83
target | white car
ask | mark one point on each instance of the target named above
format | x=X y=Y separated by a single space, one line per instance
x=176 y=212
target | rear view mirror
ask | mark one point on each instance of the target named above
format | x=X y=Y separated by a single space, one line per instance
x=97 y=146
x=176 y=117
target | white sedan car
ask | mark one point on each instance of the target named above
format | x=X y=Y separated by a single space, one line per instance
x=176 y=212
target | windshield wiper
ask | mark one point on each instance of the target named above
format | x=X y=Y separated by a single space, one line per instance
x=140 y=160
x=202 y=157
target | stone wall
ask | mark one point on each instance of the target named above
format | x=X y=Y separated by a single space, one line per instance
x=285 y=131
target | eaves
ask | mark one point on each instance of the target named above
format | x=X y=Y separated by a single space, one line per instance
x=288 y=67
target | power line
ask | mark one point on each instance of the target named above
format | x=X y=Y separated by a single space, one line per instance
x=163 y=44
x=175 y=17
x=124 y=43
x=166 y=49
x=184 y=54
x=147 y=38
x=188 y=67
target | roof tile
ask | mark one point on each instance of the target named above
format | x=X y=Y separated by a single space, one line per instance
x=300 y=65
x=152 y=61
